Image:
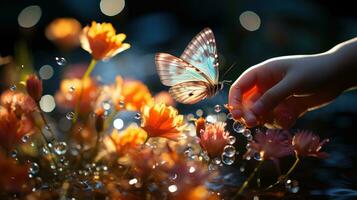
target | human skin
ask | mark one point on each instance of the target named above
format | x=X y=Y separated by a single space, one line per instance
x=276 y=92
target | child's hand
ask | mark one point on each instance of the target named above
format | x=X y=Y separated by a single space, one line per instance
x=278 y=91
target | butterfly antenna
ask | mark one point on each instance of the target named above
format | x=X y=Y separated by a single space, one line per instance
x=229 y=69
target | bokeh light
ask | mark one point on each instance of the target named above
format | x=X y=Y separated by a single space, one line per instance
x=111 y=7
x=46 y=72
x=250 y=20
x=47 y=103
x=118 y=123
x=29 y=16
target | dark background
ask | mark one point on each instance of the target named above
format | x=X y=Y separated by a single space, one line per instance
x=287 y=27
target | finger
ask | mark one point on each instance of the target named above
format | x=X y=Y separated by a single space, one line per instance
x=243 y=83
x=272 y=97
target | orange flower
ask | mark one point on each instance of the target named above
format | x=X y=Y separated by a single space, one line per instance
x=130 y=138
x=160 y=120
x=12 y=128
x=15 y=175
x=64 y=32
x=308 y=144
x=164 y=97
x=135 y=95
x=18 y=103
x=101 y=41
x=214 y=138
x=70 y=91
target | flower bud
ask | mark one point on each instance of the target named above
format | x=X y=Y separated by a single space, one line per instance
x=34 y=87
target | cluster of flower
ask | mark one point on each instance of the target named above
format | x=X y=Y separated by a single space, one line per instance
x=164 y=155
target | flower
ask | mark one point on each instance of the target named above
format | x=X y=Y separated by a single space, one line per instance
x=16 y=176
x=18 y=102
x=164 y=97
x=214 y=138
x=34 y=87
x=160 y=120
x=128 y=139
x=70 y=91
x=271 y=145
x=306 y=143
x=12 y=128
x=135 y=95
x=64 y=32
x=101 y=41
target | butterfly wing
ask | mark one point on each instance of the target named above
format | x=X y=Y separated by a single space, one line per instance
x=173 y=70
x=201 y=52
x=189 y=92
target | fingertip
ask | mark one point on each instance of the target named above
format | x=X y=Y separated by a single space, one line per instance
x=250 y=119
x=237 y=114
x=258 y=108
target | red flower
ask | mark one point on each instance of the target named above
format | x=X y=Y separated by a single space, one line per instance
x=214 y=138
x=308 y=144
x=271 y=145
x=18 y=103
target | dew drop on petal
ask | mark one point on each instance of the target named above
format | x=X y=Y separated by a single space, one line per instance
x=229 y=116
x=191 y=169
x=106 y=105
x=257 y=156
x=133 y=181
x=238 y=127
x=217 y=108
x=216 y=161
x=61 y=61
x=121 y=104
x=71 y=89
x=14 y=153
x=246 y=133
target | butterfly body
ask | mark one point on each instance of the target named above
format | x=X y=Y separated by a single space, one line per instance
x=194 y=76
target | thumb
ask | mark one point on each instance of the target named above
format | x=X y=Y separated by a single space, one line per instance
x=273 y=96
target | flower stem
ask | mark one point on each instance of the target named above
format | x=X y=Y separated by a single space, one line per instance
x=283 y=177
x=246 y=182
x=85 y=76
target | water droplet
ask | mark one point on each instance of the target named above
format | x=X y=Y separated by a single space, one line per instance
x=60 y=148
x=13 y=87
x=191 y=169
x=238 y=127
x=34 y=168
x=216 y=161
x=61 y=61
x=227 y=160
x=71 y=89
x=242 y=169
x=173 y=176
x=137 y=116
x=246 y=133
x=217 y=108
x=14 y=153
x=231 y=139
x=188 y=152
x=257 y=156
x=45 y=150
x=229 y=151
x=70 y=115
x=121 y=104
x=229 y=116
x=249 y=137
x=172 y=188
x=133 y=181
x=106 y=105
x=25 y=138
x=22 y=66
x=292 y=186
x=212 y=167
x=255 y=198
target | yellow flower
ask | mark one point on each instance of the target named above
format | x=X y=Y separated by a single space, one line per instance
x=101 y=40
x=160 y=120
x=64 y=32
x=130 y=138
x=135 y=95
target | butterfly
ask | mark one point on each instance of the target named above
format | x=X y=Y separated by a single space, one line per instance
x=194 y=76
